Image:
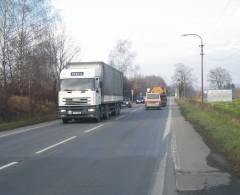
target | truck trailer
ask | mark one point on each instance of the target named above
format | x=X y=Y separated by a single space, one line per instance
x=89 y=90
x=163 y=94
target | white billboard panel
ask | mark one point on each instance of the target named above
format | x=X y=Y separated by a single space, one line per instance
x=219 y=95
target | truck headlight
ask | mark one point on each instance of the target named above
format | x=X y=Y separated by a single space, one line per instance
x=69 y=112
x=62 y=111
x=91 y=109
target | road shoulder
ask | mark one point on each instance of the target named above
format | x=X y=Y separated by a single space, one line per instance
x=190 y=155
x=27 y=128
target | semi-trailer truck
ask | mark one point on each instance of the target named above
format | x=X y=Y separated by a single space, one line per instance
x=89 y=90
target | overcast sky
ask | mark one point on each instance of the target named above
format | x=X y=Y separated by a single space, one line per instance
x=154 y=27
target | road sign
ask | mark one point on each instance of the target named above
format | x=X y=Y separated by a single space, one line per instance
x=219 y=95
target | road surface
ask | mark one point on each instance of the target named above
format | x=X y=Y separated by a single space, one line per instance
x=139 y=152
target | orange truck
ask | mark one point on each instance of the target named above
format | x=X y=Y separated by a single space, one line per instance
x=156 y=98
x=163 y=94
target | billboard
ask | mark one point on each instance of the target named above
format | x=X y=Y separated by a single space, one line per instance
x=219 y=95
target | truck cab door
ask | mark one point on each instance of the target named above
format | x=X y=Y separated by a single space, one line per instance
x=98 y=90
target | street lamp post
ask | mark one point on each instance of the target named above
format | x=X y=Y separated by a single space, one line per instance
x=184 y=35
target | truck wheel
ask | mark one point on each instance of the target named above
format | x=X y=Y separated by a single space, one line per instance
x=65 y=120
x=98 y=117
x=106 y=113
x=118 y=110
x=115 y=111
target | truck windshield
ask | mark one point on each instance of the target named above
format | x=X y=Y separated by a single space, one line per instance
x=77 y=84
x=153 y=96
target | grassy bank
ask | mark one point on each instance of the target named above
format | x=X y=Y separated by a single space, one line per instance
x=217 y=126
x=27 y=121
x=231 y=108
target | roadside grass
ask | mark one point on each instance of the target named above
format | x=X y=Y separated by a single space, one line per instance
x=232 y=108
x=26 y=121
x=218 y=129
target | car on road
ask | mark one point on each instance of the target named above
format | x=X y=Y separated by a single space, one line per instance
x=126 y=103
x=140 y=100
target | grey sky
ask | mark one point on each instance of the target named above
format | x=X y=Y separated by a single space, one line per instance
x=154 y=27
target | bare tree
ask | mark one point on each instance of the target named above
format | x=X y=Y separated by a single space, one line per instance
x=122 y=56
x=141 y=83
x=6 y=31
x=24 y=62
x=63 y=50
x=136 y=71
x=219 y=78
x=183 y=79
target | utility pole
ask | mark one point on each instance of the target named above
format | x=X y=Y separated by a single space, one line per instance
x=202 y=54
x=132 y=92
x=202 y=67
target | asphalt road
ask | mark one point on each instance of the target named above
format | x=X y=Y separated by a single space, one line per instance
x=126 y=155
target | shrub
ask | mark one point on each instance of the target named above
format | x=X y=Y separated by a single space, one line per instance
x=18 y=106
x=46 y=107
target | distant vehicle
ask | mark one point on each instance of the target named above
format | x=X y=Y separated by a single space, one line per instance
x=163 y=94
x=153 y=101
x=126 y=102
x=140 y=100
x=89 y=90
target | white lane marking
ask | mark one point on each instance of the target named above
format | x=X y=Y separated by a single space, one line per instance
x=169 y=120
x=92 y=129
x=8 y=165
x=175 y=155
x=158 y=186
x=23 y=131
x=120 y=117
x=54 y=145
x=135 y=110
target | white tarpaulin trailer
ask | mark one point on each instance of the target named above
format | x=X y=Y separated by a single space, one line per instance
x=224 y=95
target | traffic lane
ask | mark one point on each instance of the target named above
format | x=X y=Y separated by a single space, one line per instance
x=117 y=159
x=40 y=126
x=24 y=129
x=45 y=125
x=21 y=146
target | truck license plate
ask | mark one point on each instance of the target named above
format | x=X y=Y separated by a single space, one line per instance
x=77 y=112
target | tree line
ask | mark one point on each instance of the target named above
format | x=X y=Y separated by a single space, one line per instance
x=33 y=50
x=184 y=80
x=122 y=57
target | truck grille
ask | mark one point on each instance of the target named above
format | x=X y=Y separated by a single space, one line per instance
x=76 y=101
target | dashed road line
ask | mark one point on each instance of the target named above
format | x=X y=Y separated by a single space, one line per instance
x=8 y=165
x=92 y=129
x=120 y=117
x=54 y=145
